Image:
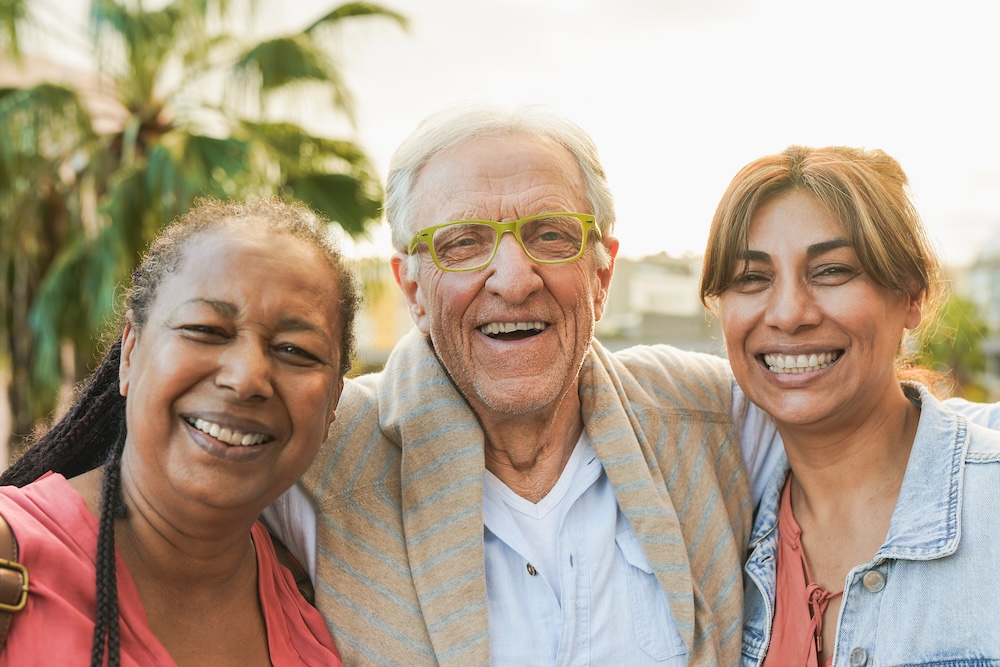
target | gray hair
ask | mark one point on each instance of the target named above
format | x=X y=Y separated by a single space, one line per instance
x=456 y=125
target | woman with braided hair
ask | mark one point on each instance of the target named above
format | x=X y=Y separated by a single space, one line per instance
x=136 y=514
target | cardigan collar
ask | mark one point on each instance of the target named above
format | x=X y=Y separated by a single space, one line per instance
x=442 y=468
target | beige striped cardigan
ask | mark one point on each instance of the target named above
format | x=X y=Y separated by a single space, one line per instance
x=399 y=489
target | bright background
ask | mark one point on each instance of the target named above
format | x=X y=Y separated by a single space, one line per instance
x=679 y=94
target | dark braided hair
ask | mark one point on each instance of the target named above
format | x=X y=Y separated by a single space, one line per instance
x=93 y=431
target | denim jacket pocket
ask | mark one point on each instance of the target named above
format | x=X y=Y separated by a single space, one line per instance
x=655 y=630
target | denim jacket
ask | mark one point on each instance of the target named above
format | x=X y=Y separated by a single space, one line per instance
x=931 y=595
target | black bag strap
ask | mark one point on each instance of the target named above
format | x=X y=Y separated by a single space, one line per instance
x=13 y=580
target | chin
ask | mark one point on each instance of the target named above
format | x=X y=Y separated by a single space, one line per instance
x=516 y=398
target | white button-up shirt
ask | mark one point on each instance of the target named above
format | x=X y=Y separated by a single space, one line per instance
x=568 y=583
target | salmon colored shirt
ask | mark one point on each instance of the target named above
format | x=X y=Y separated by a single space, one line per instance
x=57 y=542
x=799 y=601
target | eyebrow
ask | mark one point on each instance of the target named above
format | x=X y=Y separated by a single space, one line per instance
x=814 y=250
x=228 y=309
x=221 y=307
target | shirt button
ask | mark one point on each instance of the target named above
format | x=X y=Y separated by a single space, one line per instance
x=859 y=657
x=873 y=581
x=531 y=570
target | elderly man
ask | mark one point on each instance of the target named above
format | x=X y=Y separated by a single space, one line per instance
x=506 y=489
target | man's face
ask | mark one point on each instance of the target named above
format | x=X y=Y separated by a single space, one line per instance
x=552 y=308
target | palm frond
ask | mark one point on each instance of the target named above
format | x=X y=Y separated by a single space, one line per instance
x=357 y=9
x=341 y=198
x=13 y=13
x=277 y=62
x=46 y=120
x=301 y=151
x=184 y=166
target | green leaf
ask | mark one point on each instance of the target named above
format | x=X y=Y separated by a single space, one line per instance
x=357 y=9
x=339 y=197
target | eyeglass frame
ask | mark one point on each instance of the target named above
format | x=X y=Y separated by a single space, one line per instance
x=426 y=236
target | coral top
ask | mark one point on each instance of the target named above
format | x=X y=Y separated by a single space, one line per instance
x=799 y=601
x=57 y=542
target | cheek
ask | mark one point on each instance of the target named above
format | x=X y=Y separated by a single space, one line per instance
x=447 y=301
x=732 y=319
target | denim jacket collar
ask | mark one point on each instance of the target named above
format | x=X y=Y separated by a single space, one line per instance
x=926 y=522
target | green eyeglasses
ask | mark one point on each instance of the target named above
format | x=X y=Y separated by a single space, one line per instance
x=467 y=245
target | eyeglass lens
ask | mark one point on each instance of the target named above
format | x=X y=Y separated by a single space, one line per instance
x=468 y=244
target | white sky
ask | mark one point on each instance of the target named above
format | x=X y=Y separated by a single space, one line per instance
x=679 y=94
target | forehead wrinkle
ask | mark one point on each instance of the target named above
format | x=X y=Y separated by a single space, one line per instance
x=295 y=324
x=222 y=307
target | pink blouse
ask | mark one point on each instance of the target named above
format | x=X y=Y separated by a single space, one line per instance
x=57 y=542
x=796 y=634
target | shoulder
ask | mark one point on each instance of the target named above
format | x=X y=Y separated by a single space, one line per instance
x=691 y=377
x=679 y=365
x=46 y=513
x=359 y=394
x=49 y=498
x=975 y=423
x=984 y=445
x=357 y=454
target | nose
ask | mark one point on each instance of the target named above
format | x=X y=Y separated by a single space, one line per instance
x=245 y=369
x=513 y=275
x=791 y=306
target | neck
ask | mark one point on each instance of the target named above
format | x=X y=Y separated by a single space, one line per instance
x=195 y=554
x=528 y=454
x=863 y=459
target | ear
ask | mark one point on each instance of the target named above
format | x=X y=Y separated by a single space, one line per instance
x=411 y=290
x=128 y=348
x=914 y=310
x=332 y=417
x=604 y=277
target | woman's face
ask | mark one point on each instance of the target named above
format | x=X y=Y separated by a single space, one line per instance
x=810 y=337
x=232 y=382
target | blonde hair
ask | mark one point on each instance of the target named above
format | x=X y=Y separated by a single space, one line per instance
x=866 y=190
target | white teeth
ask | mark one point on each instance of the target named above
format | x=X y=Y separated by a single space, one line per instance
x=494 y=328
x=780 y=363
x=227 y=435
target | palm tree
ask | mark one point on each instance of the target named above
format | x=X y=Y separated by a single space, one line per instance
x=79 y=201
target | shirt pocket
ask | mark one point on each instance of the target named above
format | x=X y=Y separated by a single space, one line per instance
x=655 y=631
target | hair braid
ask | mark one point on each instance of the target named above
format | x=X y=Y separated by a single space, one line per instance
x=106 y=626
x=80 y=440
x=93 y=431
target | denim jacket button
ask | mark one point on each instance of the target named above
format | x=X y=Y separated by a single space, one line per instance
x=873 y=581
x=859 y=657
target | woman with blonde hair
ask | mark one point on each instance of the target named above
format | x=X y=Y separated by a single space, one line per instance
x=876 y=541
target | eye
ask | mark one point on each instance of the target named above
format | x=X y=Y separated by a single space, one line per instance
x=296 y=355
x=834 y=274
x=204 y=331
x=749 y=282
x=462 y=244
x=553 y=237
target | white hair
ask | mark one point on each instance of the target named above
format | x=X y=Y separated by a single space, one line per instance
x=455 y=125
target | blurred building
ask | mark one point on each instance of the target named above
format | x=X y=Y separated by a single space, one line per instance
x=384 y=319
x=981 y=284
x=655 y=300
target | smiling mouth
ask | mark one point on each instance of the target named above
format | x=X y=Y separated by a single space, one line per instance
x=801 y=363
x=513 y=330
x=228 y=435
